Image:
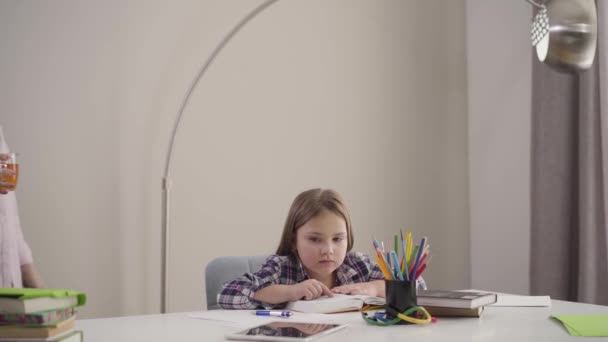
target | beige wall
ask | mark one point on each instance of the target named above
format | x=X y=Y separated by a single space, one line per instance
x=367 y=97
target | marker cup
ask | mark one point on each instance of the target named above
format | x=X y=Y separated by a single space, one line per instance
x=400 y=296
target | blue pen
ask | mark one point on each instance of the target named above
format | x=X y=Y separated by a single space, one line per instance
x=420 y=249
x=398 y=274
x=404 y=258
x=285 y=314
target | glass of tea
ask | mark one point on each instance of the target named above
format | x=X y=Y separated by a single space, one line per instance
x=9 y=172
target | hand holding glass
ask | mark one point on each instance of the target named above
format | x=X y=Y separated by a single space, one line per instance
x=9 y=172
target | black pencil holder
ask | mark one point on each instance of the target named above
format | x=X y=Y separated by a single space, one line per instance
x=400 y=296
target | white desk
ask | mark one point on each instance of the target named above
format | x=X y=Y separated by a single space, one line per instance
x=496 y=324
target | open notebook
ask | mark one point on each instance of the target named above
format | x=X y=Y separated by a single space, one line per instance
x=337 y=303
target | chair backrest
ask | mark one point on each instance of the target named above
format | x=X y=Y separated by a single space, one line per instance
x=226 y=268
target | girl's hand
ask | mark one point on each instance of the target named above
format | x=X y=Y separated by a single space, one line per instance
x=356 y=289
x=311 y=289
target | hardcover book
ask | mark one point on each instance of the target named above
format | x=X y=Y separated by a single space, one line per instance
x=37 y=318
x=16 y=300
x=69 y=336
x=18 y=331
x=439 y=311
x=455 y=299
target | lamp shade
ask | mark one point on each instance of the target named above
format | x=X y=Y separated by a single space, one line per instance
x=570 y=43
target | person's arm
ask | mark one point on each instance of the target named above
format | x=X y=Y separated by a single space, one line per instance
x=239 y=293
x=263 y=289
x=277 y=294
x=374 y=288
x=31 y=277
x=370 y=277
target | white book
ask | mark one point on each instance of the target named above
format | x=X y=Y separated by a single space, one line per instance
x=515 y=300
x=337 y=303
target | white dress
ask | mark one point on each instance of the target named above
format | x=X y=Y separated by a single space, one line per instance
x=14 y=251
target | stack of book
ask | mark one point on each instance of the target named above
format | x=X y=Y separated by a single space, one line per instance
x=39 y=315
x=455 y=303
x=437 y=302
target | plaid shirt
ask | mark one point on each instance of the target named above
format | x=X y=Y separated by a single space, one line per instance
x=284 y=270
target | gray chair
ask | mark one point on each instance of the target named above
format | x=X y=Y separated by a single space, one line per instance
x=225 y=268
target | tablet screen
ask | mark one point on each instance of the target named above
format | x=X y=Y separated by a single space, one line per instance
x=286 y=331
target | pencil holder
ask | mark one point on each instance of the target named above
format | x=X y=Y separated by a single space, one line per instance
x=400 y=296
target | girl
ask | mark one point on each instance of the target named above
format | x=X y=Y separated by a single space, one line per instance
x=313 y=259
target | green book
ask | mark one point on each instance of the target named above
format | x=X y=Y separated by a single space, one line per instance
x=17 y=300
x=585 y=325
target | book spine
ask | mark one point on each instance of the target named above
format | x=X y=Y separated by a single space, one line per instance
x=37 y=318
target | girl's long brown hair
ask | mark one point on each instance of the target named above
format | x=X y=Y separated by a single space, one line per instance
x=307 y=205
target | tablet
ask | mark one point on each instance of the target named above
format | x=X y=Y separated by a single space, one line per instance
x=286 y=331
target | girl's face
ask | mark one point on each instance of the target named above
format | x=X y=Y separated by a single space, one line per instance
x=321 y=244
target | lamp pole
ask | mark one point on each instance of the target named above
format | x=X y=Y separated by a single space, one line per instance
x=166 y=182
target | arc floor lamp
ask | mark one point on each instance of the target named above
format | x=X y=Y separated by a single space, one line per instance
x=563 y=30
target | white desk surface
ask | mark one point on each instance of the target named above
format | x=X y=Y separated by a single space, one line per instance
x=496 y=324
